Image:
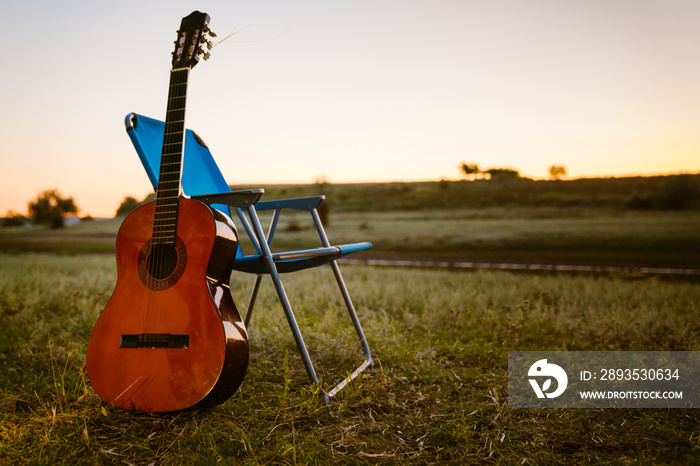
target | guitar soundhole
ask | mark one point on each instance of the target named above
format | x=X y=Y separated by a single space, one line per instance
x=162 y=261
x=160 y=266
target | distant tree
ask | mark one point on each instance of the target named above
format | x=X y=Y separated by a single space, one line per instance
x=470 y=169
x=51 y=208
x=127 y=205
x=13 y=219
x=502 y=173
x=557 y=172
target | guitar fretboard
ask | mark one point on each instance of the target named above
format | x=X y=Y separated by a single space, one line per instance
x=168 y=190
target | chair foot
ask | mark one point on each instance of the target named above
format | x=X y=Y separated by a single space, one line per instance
x=328 y=395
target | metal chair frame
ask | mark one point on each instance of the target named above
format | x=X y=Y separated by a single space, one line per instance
x=264 y=261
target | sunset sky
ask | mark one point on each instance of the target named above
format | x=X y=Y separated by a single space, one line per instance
x=350 y=90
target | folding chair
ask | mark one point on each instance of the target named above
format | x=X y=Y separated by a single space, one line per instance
x=202 y=180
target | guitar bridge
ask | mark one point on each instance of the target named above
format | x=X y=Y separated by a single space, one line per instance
x=155 y=340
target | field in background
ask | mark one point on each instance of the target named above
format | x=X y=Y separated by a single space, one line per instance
x=635 y=193
x=437 y=394
x=668 y=239
x=651 y=221
x=438 y=391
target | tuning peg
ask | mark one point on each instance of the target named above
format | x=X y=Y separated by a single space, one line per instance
x=207 y=30
x=203 y=54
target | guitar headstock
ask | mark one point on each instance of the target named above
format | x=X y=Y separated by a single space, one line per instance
x=191 y=38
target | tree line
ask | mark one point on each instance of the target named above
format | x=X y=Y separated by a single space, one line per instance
x=49 y=208
x=473 y=172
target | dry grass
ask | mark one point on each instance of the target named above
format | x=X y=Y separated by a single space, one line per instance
x=437 y=394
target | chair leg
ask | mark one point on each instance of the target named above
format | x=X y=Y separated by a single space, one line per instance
x=358 y=330
x=348 y=303
x=251 y=299
x=291 y=320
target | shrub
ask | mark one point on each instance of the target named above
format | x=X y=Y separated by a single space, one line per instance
x=14 y=220
x=127 y=205
x=678 y=192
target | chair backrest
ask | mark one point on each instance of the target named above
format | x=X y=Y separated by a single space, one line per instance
x=200 y=174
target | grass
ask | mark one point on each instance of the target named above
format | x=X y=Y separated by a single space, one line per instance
x=84 y=237
x=652 y=192
x=587 y=221
x=578 y=236
x=437 y=394
x=572 y=236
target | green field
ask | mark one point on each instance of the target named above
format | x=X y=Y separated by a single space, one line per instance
x=437 y=393
x=651 y=222
x=668 y=239
x=633 y=238
x=440 y=337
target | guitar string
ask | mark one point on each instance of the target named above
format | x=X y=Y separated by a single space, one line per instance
x=152 y=267
x=158 y=258
x=156 y=292
x=161 y=269
x=156 y=267
x=150 y=261
x=165 y=267
x=165 y=220
x=168 y=225
x=162 y=264
x=153 y=331
x=179 y=93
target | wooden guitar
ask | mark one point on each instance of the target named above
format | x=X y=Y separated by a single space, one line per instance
x=170 y=337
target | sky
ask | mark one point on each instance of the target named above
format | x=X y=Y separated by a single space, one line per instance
x=350 y=90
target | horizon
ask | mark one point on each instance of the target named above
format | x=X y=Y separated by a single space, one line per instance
x=145 y=197
x=351 y=92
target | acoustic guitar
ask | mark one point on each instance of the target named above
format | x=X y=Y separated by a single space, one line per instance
x=170 y=337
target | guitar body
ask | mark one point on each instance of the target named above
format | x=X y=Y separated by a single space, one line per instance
x=170 y=337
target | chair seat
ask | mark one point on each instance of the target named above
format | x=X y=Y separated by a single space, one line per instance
x=292 y=261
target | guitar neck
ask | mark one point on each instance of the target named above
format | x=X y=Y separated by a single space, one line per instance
x=169 y=180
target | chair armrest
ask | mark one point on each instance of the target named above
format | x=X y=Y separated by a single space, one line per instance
x=298 y=203
x=242 y=198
